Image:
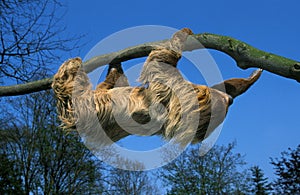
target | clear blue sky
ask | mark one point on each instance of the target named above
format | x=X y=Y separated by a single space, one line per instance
x=265 y=120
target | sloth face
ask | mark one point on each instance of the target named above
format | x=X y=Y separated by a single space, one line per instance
x=220 y=103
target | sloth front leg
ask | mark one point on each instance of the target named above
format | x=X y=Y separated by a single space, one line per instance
x=115 y=78
x=159 y=71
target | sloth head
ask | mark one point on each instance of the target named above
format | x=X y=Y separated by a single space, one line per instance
x=220 y=102
x=221 y=96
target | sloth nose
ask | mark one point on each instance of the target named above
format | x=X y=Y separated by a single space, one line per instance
x=230 y=100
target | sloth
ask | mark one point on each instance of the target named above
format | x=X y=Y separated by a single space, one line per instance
x=165 y=104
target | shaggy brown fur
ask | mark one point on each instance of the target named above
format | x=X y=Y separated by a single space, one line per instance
x=168 y=104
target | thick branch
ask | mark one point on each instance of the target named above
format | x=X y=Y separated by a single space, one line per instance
x=26 y=88
x=245 y=55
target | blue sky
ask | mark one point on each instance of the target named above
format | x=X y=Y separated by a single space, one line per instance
x=265 y=120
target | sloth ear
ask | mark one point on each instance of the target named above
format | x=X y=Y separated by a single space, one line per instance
x=237 y=86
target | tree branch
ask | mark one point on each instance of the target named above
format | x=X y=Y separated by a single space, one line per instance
x=26 y=88
x=245 y=55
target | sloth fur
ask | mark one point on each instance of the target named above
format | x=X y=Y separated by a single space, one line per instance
x=166 y=104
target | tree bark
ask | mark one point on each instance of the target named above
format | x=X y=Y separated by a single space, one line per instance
x=245 y=56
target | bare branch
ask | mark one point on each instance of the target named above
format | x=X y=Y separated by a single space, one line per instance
x=30 y=39
x=245 y=55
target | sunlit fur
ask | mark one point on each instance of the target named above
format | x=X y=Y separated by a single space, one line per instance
x=166 y=105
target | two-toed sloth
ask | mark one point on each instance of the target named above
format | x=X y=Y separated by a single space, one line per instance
x=166 y=104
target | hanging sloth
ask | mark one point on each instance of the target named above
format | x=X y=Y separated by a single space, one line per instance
x=166 y=104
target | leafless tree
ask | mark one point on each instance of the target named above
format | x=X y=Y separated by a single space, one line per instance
x=30 y=38
x=122 y=181
x=217 y=172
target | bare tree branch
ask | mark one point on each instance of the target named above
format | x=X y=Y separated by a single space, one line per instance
x=245 y=55
x=30 y=39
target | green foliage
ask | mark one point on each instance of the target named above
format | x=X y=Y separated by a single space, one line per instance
x=287 y=169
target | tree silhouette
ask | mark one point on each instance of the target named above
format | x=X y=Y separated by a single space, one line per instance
x=287 y=170
x=215 y=173
x=10 y=177
x=42 y=155
x=122 y=181
x=260 y=184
